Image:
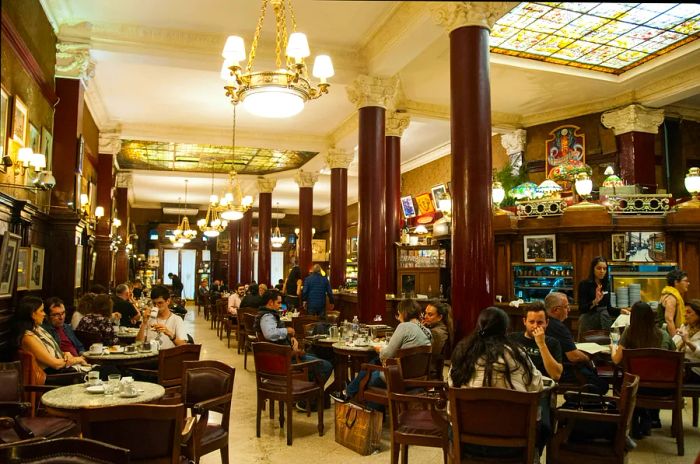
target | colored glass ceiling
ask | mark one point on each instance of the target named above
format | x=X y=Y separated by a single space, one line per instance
x=188 y=157
x=607 y=37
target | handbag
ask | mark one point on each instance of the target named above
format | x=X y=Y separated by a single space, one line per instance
x=357 y=428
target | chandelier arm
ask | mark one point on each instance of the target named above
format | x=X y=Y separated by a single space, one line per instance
x=290 y=62
x=280 y=33
x=256 y=37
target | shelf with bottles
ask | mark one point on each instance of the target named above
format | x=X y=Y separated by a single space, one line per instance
x=427 y=256
x=533 y=281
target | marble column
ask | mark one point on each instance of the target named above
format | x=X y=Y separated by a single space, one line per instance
x=110 y=144
x=306 y=181
x=372 y=95
x=515 y=143
x=396 y=123
x=338 y=161
x=233 y=278
x=246 y=249
x=635 y=127
x=265 y=188
x=121 y=270
x=473 y=262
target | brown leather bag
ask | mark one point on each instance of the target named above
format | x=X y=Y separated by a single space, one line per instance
x=357 y=428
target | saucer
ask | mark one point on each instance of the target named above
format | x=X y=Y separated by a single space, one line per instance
x=130 y=352
x=96 y=389
x=124 y=395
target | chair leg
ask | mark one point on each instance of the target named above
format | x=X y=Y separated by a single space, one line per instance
x=678 y=421
x=289 y=424
x=394 y=452
x=695 y=411
x=261 y=403
x=245 y=357
x=272 y=409
x=224 y=454
x=404 y=454
x=319 y=408
x=282 y=404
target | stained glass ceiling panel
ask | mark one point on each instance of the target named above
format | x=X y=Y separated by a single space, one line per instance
x=185 y=157
x=607 y=37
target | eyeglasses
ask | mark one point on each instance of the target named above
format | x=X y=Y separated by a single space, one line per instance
x=59 y=314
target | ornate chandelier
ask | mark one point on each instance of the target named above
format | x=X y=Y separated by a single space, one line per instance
x=211 y=224
x=277 y=238
x=183 y=233
x=279 y=93
x=233 y=205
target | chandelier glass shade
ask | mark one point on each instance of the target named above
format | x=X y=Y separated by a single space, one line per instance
x=277 y=239
x=279 y=93
x=233 y=204
x=183 y=233
x=211 y=224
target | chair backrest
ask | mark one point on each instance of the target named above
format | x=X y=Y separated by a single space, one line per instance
x=151 y=432
x=601 y=337
x=220 y=307
x=248 y=323
x=11 y=381
x=64 y=450
x=240 y=318
x=656 y=368
x=170 y=363
x=333 y=317
x=298 y=324
x=415 y=361
x=628 y=397
x=204 y=380
x=272 y=363
x=478 y=414
x=88 y=338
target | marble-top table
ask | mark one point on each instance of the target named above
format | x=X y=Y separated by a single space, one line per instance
x=66 y=401
x=120 y=358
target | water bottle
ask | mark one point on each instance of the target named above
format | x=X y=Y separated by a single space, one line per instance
x=355 y=324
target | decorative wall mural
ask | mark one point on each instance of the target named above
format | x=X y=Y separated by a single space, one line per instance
x=567 y=146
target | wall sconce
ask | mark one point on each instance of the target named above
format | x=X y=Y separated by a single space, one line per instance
x=25 y=158
x=313 y=231
x=498 y=194
x=584 y=186
x=692 y=185
x=99 y=212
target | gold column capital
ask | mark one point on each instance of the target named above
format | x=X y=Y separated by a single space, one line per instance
x=395 y=123
x=453 y=15
x=306 y=179
x=373 y=91
x=337 y=158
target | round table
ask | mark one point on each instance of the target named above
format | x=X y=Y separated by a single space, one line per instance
x=68 y=400
x=347 y=356
x=122 y=359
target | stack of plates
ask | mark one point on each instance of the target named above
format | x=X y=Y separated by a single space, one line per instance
x=613 y=300
x=623 y=297
x=635 y=293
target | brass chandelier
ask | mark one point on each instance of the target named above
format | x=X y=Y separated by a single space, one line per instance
x=183 y=233
x=211 y=224
x=277 y=239
x=279 y=93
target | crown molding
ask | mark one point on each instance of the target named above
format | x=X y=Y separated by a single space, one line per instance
x=426 y=157
x=682 y=112
x=95 y=103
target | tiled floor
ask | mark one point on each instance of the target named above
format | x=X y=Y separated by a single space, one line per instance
x=308 y=447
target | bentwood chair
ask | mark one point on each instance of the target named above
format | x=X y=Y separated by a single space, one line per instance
x=207 y=386
x=249 y=334
x=240 y=328
x=170 y=365
x=691 y=389
x=63 y=450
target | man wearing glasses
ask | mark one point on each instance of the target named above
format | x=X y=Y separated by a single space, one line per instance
x=56 y=325
x=671 y=305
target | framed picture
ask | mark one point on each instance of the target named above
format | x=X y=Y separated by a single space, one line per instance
x=8 y=263
x=540 y=248
x=425 y=204
x=19 y=121
x=34 y=138
x=47 y=146
x=318 y=250
x=78 y=266
x=36 y=267
x=645 y=247
x=438 y=191
x=619 y=247
x=409 y=210
x=4 y=123
x=449 y=187
x=23 y=269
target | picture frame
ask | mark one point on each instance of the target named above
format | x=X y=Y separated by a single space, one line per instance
x=425 y=204
x=23 y=269
x=645 y=246
x=4 y=124
x=36 y=267
x=8 y=263
x=619 y=247
x=47 y=146
x=34 y=138
x=79 y=155
x=438 y=191
x=540 y=248
x=409 y=210
x=19 y=121
x=78 y=266
x=318 y=250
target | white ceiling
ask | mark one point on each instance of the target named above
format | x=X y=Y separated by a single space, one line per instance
x=157 y=66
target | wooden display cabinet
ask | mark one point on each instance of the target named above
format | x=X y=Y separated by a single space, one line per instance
x=418 y=270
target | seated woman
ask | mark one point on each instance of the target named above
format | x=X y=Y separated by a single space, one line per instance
x=643 y=333
x=488 y=358
x=83 y=308
x=688 y=338
x=409 y=333
x=30 y=336
x=100 y=320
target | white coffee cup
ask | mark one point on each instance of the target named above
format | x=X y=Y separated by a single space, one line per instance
x=92 y=378
x=96 y=348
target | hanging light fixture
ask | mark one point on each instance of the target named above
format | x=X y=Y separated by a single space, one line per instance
x=277 y=238
x=211 y=224
x=183 y=233
x=233 y=204
x=280 y=93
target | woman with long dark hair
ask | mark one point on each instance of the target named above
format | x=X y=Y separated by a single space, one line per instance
x=688 y=338
x=594 y=298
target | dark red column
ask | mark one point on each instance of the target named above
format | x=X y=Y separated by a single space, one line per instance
x=396 y=123
x=306 y=208
x=473 y=262
x=233 y=228
x=338 y=161
x=121 y=270
x=246 y=253
x=264 y=245
x=68 y=126
x=105 y=182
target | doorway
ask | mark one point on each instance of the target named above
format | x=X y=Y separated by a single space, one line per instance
x=183 y=263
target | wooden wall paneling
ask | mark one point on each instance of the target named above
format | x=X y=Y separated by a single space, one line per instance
x=688 y=246
x=584 y=249
x=503 y=278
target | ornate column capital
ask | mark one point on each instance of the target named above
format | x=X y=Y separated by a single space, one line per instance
x=395 y=123
x=266 y=185
x=453 y=15
x=73 y=61
x=110 y=142
x=306 y=179
x=339 y=158
x=373 y=91
x=514 y=142
x=633 y=118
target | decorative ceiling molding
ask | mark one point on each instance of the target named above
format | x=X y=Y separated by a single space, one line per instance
x=633 y=118
x=501 y=122
x=682 y=112
x=98 y=110
x=454 y=15
x=349 y=126
x=373 y=91
x=57 y=12
x=667 y=90
x=425 y=158
x=73 y=61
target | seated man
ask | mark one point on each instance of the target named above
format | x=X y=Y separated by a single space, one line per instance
x=122 y=305
x=578 y=367
x=234 y=300
x=437 y=318
x=167 y=328
x=273 y=329
x=59 y=330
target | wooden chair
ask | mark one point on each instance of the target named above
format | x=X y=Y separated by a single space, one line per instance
x=73 y=450
x=414 y=364
x=660 y=382
x=418 y=420
x=493 y=417
x=21 y=422
x=218 y=309
x=202 y=303
x=691 y=390
x=250 y=336
x=170 y=365
x=34 y=378
x=207 y=386
x=563 y=447
x=240 y=328
x=332 y=317
x=277 y=381
x=601 y=337
x=153 y=433
x=604 y=365
x=298 y=324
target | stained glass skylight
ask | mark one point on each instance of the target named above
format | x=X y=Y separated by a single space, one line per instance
x=607 y=37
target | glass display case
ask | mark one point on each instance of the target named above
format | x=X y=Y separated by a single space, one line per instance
x=534 y=281
x=351 y=274
x=650 y=277
x=418 y=270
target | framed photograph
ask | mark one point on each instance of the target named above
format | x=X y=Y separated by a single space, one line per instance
x=409 y=210
x=19 y=121
x=438 y=191
x=47 y=146
x=8 y=263
x=318 y=250
x=36 y=267
x=425 y=204
x=540 y=248
x=4 y=124
x=23 y=269
x=34 y=138
x=646 y=247
x=78 y=266
x=619 y=247
x=449 y=187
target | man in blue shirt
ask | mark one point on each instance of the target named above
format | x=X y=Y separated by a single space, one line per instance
x=316 y=288
x=55 y=324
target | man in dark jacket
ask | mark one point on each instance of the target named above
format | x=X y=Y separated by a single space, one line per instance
x=55 y=324
x=316 y=288
x=177 y=284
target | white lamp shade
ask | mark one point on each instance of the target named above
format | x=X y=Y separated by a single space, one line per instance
x=323 y=67
x=202 y=222
x=273 y=102
x=498 y=195
x=231 y=215
x=214 y=199
x=84 y=199
x=298 y=46
x=584 y=187
x=692 y=181
x=38 y=161
x=99 y=212
x=234 y=49
x=211 y=233
x=25 y=155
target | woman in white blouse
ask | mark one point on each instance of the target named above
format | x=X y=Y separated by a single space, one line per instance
x=687 y=338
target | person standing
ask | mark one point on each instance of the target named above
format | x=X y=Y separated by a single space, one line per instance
x=177 y=284
x=59 y=330
x=671 y=309
x=594 y=298
x=316 y=289
x=168 y=328
x=292 y=285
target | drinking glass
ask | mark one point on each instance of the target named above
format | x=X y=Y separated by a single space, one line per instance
x=110 y=388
